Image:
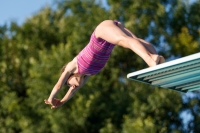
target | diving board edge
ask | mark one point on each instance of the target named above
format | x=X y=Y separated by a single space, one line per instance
x=182 y=75
x=166 y=64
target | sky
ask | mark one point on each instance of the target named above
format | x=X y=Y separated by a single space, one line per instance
x=22 y=9
x=19 y=10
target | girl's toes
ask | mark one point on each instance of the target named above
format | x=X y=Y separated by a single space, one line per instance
x=161 y=60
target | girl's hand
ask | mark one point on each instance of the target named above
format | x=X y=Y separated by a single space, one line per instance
x=58 y=104
x=54 y=104
x=47 y=102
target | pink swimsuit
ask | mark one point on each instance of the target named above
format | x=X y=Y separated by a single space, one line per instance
x=94 y=56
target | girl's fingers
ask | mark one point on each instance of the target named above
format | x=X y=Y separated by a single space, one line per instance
x=53 y=107
x=46 y=101
x=56 y=106
x=56 y=103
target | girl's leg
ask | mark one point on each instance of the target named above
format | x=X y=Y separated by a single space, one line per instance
x=146 y=44
x=108 y=31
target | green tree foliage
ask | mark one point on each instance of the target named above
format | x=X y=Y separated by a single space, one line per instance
x=186 y=32
x=33 y=54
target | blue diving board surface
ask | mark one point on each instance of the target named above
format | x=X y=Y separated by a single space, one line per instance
x=182 y=74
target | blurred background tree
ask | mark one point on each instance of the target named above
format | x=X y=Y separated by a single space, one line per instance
x=33 y=54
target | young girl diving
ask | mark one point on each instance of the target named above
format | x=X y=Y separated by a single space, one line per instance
x=94 y=56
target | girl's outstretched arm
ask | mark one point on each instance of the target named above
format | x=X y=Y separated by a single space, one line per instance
x=69 y=94
x=70 y=68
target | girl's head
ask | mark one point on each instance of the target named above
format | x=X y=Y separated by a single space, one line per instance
x=74 y=80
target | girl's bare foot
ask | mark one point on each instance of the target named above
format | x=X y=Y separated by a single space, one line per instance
x=157 y=60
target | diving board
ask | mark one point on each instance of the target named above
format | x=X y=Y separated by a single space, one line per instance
x=182 y=74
